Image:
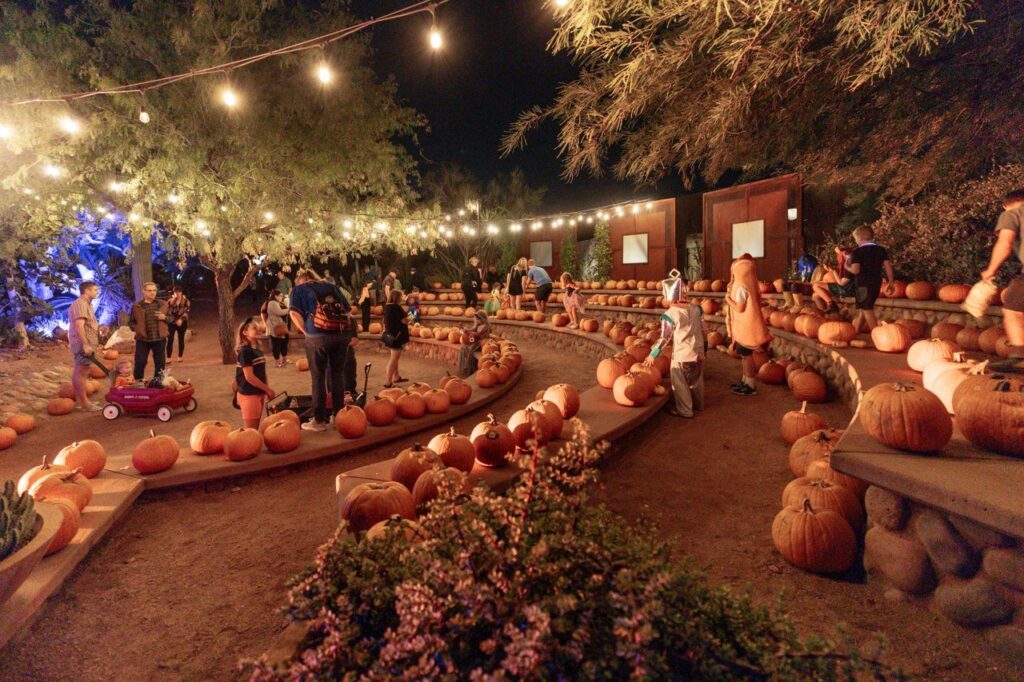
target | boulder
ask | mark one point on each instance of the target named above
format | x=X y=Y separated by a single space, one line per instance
x=885 y=508
x=1005 y=566
x=1008 y=640
x=972 y=602
x=978 y=535
x=949 y=552
x=901 y=560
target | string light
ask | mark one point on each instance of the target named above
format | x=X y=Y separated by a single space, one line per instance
x=436 y=41
x=144 y=116
x=347 y=224
x=323 y=74
x=5 y=132
x=561 y=3
x=69 y=125
x=173 y=198
x=268 y=216
x=515 y=227
x=133 y=217
x=53 y=171
x=229 y=98
x=116 y=186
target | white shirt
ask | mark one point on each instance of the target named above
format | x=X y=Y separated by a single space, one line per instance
x=687 y=334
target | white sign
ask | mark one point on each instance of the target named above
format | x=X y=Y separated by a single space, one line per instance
x=748 y=238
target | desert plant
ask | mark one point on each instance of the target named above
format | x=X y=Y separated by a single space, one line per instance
x=17 y=519
x=599 y=262
x=568 y=256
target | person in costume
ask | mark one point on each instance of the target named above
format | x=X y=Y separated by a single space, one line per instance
x=747 y=327
x=681 y=325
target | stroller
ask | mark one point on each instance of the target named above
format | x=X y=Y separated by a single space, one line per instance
x=302 y=405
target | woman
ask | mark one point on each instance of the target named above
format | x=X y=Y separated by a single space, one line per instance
x=514 y=283
x=178 y=307
x=275 y=318
x=251 y=374
x=396 y=335
x=365 y=302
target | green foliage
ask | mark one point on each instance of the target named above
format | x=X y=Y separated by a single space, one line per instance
x=599 y=263
x=537 y=583
x=893 y=95
x=568 y=254
x=17 y=520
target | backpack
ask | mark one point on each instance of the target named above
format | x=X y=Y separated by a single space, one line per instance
x=330 y=314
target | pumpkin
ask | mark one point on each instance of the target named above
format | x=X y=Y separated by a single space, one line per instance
x=946 y=331
x=411 y=406
x=242 y=444
x=375 y=328
x=409 y=531
x=898 y=289
x=915 y=327
x=808 y=325
x=551 y=417
x=772 y=372
x=110 y=354
x=87 y=455
x=418 y=387
x=412 y=462
x=302 y=364
x=380 y=412
x=436 y=401
x=979 y=378
x=808 y=386
x=994 y=418
x=715 y=339
x=527 y=426
x=810 y=448
x=8 y=437
x=650 y=374
x=485 y=378
x=70 y=522
x=96 y=373
x=818 y=541
x=639 y=350
x=392 y=394
x=428 y=485
x=208 y=437
x=454 y=450
x=283 y=436
x=60 y=406
x=565 y=397
x=283 y=415
x=631 y=390
x=589 y=326
x=824 y=494
x=37 y=472
x=987 y=339
x=351 y=422
x=905 y=417
x=927 y=351
x=608 y=371
x=822 y=468
x=155 y=454
x=20 y=423
x=368 y=504
x=836 y=332
x=935 y=380
x=798 y=423
x=66 y=391
x=967 y=338
x=718 y=285
x=891 y=338
x=501 y=373
x=491 y=442
x=69 y=485
x=538 y=317
x=560 y=320
x=920 y=291
x=1003 y=347
x=459 y=391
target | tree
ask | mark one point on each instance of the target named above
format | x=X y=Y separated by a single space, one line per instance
x=294 y=171
x=895 y=96
x=599 y=258
x=567 y=254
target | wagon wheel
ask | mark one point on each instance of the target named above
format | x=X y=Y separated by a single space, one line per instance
x=191 y=405
x=111 y=411
x=163 y=413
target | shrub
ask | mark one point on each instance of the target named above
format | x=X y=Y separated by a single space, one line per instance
x=536 y=583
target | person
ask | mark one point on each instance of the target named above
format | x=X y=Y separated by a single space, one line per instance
x=389 y=284
x=834 y=284
x=539 y=276
x=745 y=321
x=494 y=302
x=395 y=336
x=178 y=307
x=284 y=284
x=418 y=279
x=366 y=300
x=514 y=283
x=681 y=326
x=149 y=322
x=471 y=281
x=412 y=301
x=574 y=301
x=1008 y=236
x=123 y=377
x=351 y=384
x=866 y=263
x=320 y=313
x=251 y=374
x=492 y=278
x=84 y=339
x=275 y=318
x=480 y=330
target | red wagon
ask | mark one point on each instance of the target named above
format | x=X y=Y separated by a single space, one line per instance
x=148 y=401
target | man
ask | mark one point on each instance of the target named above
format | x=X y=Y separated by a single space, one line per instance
x=419 y=280
x=83 y=337
x=390 y=284
x=320 y=313
x=149 y=322
x=866 y=263
x=1008 y=241
x=492 y=277
x=471 y=281
x=284 y=284
x=682 y=327
x=542 y=280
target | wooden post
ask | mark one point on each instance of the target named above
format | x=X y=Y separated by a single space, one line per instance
x=142 y=262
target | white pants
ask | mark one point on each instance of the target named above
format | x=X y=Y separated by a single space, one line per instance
x=688 y=387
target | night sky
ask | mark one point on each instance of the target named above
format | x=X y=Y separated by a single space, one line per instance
x=493 y=66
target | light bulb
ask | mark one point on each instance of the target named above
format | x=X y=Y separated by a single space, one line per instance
x=173 y=198
x=515 y=227
x=70 y=125
x=268 y=216
x=223 y=208
x=5 y=132
x=133 y=217
x=635 y=209
x=144 y=116
x=53 y=171
x=229 y=98
x=347 y=224
x=435 y=38
x=561 y=3
x=116 y=186
x=323 y=74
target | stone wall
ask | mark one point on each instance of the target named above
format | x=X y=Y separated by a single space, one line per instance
x=972 y=575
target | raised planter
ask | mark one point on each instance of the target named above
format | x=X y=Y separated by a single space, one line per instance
x=17 y=567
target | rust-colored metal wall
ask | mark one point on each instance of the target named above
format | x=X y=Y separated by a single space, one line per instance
x=659 y=224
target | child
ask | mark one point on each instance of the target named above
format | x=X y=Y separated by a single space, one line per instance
x=251 y=374
x=493 y=304
x=681 y=325
x=123 y=377
x=834 y=283
x=746 y=323
x=412 y=302
x=573 y=301
x=480 y=330
x=866 y=264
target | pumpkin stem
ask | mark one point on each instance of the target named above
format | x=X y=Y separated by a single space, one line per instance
x=902 y=388
x=803 y=408
x=807 y=506
x=451 y=431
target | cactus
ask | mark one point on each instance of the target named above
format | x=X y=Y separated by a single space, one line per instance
x=17 y=520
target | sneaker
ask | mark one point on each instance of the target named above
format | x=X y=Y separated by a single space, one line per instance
x=314 y=425
x=90 y=407
x=744 y=389
x=738 y=384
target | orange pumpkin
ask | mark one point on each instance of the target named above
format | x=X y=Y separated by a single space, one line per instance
x=947 y=331
x=418 y=387
x=284 y=415
x=608 y=371
x=715 y=339
x=565 y=397
x=836 y=332
x=797 y=424
x=437 y=401
x=87 y=455
x=207 y=437
x=822 y=468
x=370 y=503
x=823 y=494
x=808 y=386
x=492 y=442
x=968 y=339
x=459 y=391
x=428 y=485
x=915 y=327
x=155 y=454
x=302 y=364
x=351 y=422
x=412 y=462
x=20 y=423
x=485 y=378
x=811 y=448
x=411 y=406
x=380 y=412
x=895 y=289
x=926 y=351
x=818 y=541
x=283 y=436
x=631 y=390
x=454 y=450
x=772 y=372
x=589 y=326
x=407 y=530
x=8 y=437
x=527 y=427
x=551 y=417
x=891 y=338
x=59 y=407
x=242 y=444
x=994 y=418
x=920 y=291
x=37 y=472
x=988 y=338
x=70 y=485
x=71 y=521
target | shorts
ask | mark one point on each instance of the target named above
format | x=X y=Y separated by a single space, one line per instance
x=250 y=405
x=543 y=292
x=743 y=351
x=842 y=291
x=81 y=359
x=1015 y=295
x=867 y=295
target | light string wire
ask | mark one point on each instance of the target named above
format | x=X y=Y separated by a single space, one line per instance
x=139 y=88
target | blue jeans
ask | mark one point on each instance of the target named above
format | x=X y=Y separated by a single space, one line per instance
x=326 y=356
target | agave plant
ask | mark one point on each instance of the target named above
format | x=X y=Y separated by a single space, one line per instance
x=17 y=520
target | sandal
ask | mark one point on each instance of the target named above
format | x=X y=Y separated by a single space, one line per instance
x=400 y=380
x=389 y=385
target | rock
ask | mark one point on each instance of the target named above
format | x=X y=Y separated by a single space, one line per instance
x=1008 y=640
x=896 y=596
x=902 y=560
x=973 y=602
x=885 y=508
x=1006 y=566
x=979 y=536
x=1014 y=598
x=949 y=552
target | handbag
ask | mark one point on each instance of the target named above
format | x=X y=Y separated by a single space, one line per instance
x=281 y=330
x=388 y=338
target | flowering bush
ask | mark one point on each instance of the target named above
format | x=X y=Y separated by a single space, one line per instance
x=533 y=584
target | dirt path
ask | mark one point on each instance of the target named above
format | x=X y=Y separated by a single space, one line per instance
x=190 y=581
